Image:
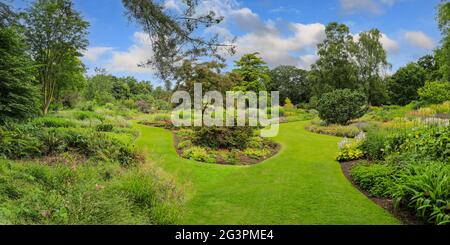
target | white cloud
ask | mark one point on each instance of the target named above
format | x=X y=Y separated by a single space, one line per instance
x=390 y=45
x=370 y=6
x=128 y=61
x=94 y=53
x=419 y=39
x=173 y=5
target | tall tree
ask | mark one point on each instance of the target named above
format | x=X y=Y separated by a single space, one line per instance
x=175 y=35
x=56 y=34
x=403 y=85
x=254 y=73
x=443 y=54
x=18 y=91
x=291 y=82
x=372 y=65
x=336 y=67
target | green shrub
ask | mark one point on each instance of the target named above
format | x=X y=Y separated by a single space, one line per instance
x=88 y=106
x=435 y=92
x=53 y=122
x=223 y=137
x=375 y=178
x=341 y=106
x=185 y=144
x=32 y=193
x=425 y=187
x=20 y=141
x=198 y=154
x=105 y=127
x=374 y=145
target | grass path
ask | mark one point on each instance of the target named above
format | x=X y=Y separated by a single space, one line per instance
x=300 y=185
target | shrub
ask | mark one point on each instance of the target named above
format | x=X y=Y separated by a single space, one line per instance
x=223 y=137
x=105 y=127
x=20 y=141
x=198 y=154
x=184 y=144
x=143 y=106
x=53 y=122
x=257 y=153
x=88 y=106
x=341 y=106
x=375 y=178
x=435 y=92
x=349 y=131
x=350 y=151
x=374 y=146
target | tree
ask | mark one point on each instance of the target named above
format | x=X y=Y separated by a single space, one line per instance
x=291 y=82
x=443 y=54
x=342 y=105
x=435 y=92
x=254 y=73
x=18 y=91
x=372 y=65
x=207 y=73
x=429 y=64
x=403 y=85
x=99 y=87
x=56 y=34
x=176 y=35
x=336 y=67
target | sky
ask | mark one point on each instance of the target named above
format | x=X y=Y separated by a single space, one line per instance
x=284 y=32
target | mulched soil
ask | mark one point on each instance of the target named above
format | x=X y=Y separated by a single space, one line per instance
x=401 y=213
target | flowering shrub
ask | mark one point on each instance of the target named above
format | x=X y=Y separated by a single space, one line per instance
x=350 y=151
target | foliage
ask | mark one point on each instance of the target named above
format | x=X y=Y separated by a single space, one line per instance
x=257 y=153
x=435 y=92
x=291 y=82
x=374 y=178
x=34 y=193
x=223 y=137
x=254 y=73
x=56 y=34
x=198 y=154
x=335 y=68
x=372 y=64
x=420 y=184
x=18 y=91
x=349 y=131
x=341 y=106
x=403 y=85
x=175 y=34
x=350 y=151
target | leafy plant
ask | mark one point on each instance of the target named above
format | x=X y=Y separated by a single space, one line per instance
x=341 y=106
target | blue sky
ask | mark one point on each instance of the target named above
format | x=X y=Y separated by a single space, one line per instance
x=285 y=32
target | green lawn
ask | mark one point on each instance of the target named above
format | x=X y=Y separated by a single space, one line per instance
x=301 y=185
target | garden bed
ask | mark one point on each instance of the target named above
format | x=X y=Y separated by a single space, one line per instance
x=401 y=213
x=247 y=156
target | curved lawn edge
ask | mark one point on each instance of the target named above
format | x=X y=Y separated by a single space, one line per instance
x=302 y=184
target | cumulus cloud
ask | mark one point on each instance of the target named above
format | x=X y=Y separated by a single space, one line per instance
x=419 y=39
x=128 y=61
x=296 y=47
x=390 y=45
x=370 y=6
x=94 y=53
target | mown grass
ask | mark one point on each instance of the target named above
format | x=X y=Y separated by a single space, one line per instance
x=301 y=185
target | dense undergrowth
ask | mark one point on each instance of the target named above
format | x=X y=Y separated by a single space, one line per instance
x=80 y=167
x=408 y=159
